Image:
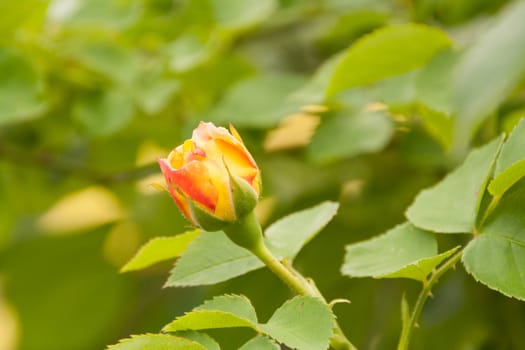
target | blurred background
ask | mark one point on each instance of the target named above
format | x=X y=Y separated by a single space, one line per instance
x=93 y=91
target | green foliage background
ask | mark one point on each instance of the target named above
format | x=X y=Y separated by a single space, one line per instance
x=91 y=91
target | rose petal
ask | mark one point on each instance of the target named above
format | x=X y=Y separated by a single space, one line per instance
x=177 y=197
x=221 y=181
x=199 y=170
x=194 y=180
x=238 y=160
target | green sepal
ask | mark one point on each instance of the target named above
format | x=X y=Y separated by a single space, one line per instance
x=245 y=232
x=244 y=197
x=205 y=220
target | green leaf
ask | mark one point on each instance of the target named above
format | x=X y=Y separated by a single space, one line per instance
x=314 y=90
x=15 y=17
x=160 y=249
x=434 y=94
x=152 y=92
x=397 y=91
x=511 y=119
x=349 y=26
x=234 y=14
x=210 y=259
x=403 y=250
x=452 y=205
x=208 y=319
x=19 y=89
x=288 y=235
x=434 y=82
x=260 y=343
x=188 y=52
x=103 y=14
x=202 y=338
x=497 y=261
x=103 y=113
x=349 y=135
x=499 y=185
x=227 y=311
x=420 y=269
x=112 y=61
x=304 y=323
x=235 y=304
x=259 y=102
x=488 y=71
x=157 y=342
x=386 y=52
x=213 y=257
x=496 y=257
x=510 y=166
x=439 y=125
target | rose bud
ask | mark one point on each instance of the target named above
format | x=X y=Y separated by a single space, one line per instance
x=212 y=177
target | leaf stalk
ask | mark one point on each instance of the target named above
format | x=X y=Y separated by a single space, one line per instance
x=406 y=332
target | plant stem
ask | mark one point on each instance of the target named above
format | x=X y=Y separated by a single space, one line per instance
x=247 y=233
x=291 y=279
x=301 y=286
x=492 y=205
x=406 y=333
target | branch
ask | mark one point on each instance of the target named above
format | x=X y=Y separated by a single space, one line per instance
x=47 y=161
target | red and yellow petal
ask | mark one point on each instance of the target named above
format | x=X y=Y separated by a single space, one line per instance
x=220 y=179
x=193 y=179
x=239 y=161
x=200 y=171
x=177 y=197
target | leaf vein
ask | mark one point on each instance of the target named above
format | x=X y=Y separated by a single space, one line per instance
x=506 y=238
x=209 y=267
x=517 y=266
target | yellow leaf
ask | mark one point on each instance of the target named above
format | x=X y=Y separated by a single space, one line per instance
x=87 y=208
x=122 y=242
x=295 y=131
x=8 y=325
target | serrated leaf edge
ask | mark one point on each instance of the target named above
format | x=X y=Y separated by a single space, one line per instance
x=374 y=238
x=416 y=263
x=289 y=301
x=177 y=284
x=156 y=335
x=168 y=283
x=249 y=324
x=231 y=297
x=481 y=190
x=469 y=270
x=333 y=204
x=145 y=246
x=258 y=327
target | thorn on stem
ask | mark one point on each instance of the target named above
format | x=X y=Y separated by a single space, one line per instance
x=338 y=301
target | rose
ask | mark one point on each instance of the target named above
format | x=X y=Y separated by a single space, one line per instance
x=212 y=177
